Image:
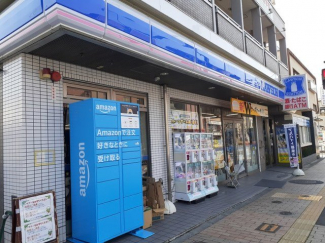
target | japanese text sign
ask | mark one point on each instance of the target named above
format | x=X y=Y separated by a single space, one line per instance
x=291 y=137
x=296 y=93
x=244 y=107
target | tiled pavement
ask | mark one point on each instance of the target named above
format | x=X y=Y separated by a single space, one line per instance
x=240 y=226
x=190 y=216
x=234 y=214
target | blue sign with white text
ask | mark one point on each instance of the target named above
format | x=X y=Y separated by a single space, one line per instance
x=291 y=137
x=106 y=174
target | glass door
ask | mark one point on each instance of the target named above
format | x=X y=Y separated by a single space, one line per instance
x=234 y=143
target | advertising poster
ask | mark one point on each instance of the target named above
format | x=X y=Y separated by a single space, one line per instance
x=129 y=116
x=282 y=145
x=184 y=120
x=296 y=93
x=291 y=139
x=37 y=218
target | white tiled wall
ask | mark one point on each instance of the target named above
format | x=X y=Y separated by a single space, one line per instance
x=33 y=120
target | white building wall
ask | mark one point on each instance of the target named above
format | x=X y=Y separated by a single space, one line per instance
x=33 y=121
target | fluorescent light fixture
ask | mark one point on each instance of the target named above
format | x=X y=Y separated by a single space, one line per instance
x=232 y=114
x=164 y=74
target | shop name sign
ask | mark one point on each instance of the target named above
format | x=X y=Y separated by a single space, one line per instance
x=296 y=93
x=247 y=108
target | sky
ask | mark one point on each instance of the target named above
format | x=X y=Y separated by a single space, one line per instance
x=305 y=31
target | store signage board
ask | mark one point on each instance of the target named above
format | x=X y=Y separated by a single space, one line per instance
x=291 y=139
x=247 y=108
x=184 y=119
x=296 y=93
x=35 y=217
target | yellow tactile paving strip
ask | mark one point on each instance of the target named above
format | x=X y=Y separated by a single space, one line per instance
x=292 y=196
x=311 y=198
x=302 y=227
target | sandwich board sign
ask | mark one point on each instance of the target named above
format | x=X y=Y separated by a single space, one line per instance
x=35 y=219
x=296 y=93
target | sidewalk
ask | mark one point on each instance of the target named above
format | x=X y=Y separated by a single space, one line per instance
x=297 y=224
x=192 y=217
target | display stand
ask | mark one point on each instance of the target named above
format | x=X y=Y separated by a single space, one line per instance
x=194 y=166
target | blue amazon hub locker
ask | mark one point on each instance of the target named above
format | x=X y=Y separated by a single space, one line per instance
x=106 y=176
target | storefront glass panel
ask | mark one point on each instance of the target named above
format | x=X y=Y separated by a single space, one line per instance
x=212 y=123
x=250 y=144
x=184 y=117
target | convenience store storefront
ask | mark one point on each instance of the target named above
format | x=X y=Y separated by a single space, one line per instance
x=127 y=68
x=234 y=134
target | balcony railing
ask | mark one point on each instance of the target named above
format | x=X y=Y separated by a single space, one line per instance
x=254 y=48
x=284 y=71
x=199 y=10
x=271 y=62
x=227 y=28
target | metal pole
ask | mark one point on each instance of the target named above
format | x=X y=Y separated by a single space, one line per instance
x=169 y=178
x=258 y=145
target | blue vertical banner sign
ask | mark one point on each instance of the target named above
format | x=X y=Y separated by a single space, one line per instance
x=291 y=137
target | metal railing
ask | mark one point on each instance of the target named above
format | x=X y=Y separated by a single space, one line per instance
x=229 y=29
x=254 y=48
x=284 y=71
x=200 y=10
x=271 y=62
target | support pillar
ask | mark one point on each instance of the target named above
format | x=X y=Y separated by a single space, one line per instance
x=272 y=39
x=237 y=12
x=257 y=25
x=283 y=51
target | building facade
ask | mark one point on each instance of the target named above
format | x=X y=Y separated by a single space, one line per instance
x=181 y=61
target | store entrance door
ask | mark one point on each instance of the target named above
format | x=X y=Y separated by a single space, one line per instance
x=234 y=143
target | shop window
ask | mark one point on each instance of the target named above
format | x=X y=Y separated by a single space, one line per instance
x=305 y=136
x=184 y=117
x=142 y=101
x=211 y=123
x=79 y=92
x=123 y=98
x=250 y=144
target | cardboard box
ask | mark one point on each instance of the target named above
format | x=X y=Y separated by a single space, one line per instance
x=144 y=201
x=147 y=218
x=158 y=214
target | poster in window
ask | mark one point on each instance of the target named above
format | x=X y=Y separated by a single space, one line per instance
x=184 y=120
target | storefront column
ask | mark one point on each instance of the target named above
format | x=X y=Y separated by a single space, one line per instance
x=261 y=143
x=32 y=134
x=1 y=144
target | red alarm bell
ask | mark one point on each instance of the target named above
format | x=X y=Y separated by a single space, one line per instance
x=55 y=76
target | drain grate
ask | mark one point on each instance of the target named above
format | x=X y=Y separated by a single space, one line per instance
x=304 y=196
x=269 y=228
x=278 y=202
x=285 y=213
x=306 y=182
